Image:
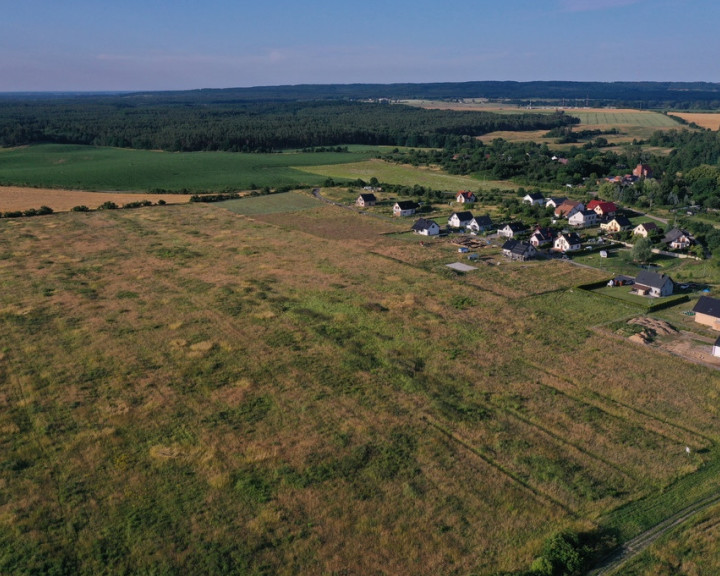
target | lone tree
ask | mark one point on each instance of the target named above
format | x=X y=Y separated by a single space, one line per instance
x=642 y=250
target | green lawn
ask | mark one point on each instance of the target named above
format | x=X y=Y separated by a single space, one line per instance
x=404 y=175
x=91 y=168
x=271 y=204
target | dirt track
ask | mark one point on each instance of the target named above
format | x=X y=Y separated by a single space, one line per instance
x=14 y=198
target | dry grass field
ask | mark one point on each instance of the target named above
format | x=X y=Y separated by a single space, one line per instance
x=13 y=198
x=188 y=389
x=707 y=120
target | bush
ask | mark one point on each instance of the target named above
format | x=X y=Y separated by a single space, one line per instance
x=81 y=208
x=108 y=206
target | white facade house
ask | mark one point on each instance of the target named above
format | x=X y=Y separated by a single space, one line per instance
x=460 y=219
x=583 y=219
x=567 y=242
x=405 y=208
x=426 y=227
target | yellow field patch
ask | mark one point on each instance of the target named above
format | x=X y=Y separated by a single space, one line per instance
x=14 y=198
x=705 y=120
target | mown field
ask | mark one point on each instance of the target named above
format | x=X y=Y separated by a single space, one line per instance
x=709 y=120
x=115 y=169
x=404 y=175
x=13 y=198
x=187 y=389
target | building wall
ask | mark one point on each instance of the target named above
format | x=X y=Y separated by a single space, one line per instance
x=708 y=320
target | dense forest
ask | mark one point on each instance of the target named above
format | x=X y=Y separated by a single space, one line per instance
x=247 y=126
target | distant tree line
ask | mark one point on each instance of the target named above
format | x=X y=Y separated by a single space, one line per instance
x=247 y=126
x=653 y=95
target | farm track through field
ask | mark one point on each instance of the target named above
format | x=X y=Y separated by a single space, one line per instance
x=603 y=403
x=499 y=467
x=641 y=542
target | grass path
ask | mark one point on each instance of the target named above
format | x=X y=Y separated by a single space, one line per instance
x=642 y=542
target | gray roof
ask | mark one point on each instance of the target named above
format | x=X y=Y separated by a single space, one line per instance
x=407 y=205
x=674 y=234
x=463 y=216
x=423 y=224
x=651 y=279
x=707 y=305
x=483 y=220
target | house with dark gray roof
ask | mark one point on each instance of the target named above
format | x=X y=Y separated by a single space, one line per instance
x=366 y=200
x=460 y=219
x=480 y=224
x=513 y=229
x=707 y=312
x=678 y=239
x=649 y=283
x=405 y=208
x=426 y=227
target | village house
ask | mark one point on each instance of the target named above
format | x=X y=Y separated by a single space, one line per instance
x=649 y=283
x=511 y=230
x=678 y=239
x=567 y=242
x=617 y=224
x=405 y=208
x=426 y=227
x=465 y=197
x=645 y=230
x=707 y=312
x=517 y=250
x=534 y=199
x=542 y=237
x=480 y=224
x=643 y=171
x=554 y=201
x=568 y=208
x=583 y=219
x=460 y=219
x=365 y=200
x=603 y=209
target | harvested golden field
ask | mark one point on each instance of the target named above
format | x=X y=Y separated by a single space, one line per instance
x=13 y=198
x=187 y=389
x=708 y=120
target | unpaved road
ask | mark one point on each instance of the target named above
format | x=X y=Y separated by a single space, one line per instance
x=641 y=542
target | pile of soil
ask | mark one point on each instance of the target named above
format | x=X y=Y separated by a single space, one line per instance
x=651 y=328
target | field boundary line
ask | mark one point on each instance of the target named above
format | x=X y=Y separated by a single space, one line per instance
x=491 y=462
x=612 y=401
x=560 y=439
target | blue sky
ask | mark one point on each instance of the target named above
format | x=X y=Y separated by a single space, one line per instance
x=184 y=44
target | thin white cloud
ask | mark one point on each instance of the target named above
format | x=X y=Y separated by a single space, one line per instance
x=590 y=5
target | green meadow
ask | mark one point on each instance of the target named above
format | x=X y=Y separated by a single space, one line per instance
x=236 y=389
x=90 y=168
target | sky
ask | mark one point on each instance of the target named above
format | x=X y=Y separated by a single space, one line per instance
x=118 y=45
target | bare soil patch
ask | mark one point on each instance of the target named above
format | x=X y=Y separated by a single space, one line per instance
x=14 y=198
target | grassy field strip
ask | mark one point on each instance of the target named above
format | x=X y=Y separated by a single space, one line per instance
x=25 y=403
x=624 y=117
x=271 y=204
x=403 y=174
x=561 y=440
x=98 y=168
x=639 y=515
x=640 y=543
x=499 y=467
x=659 y=426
